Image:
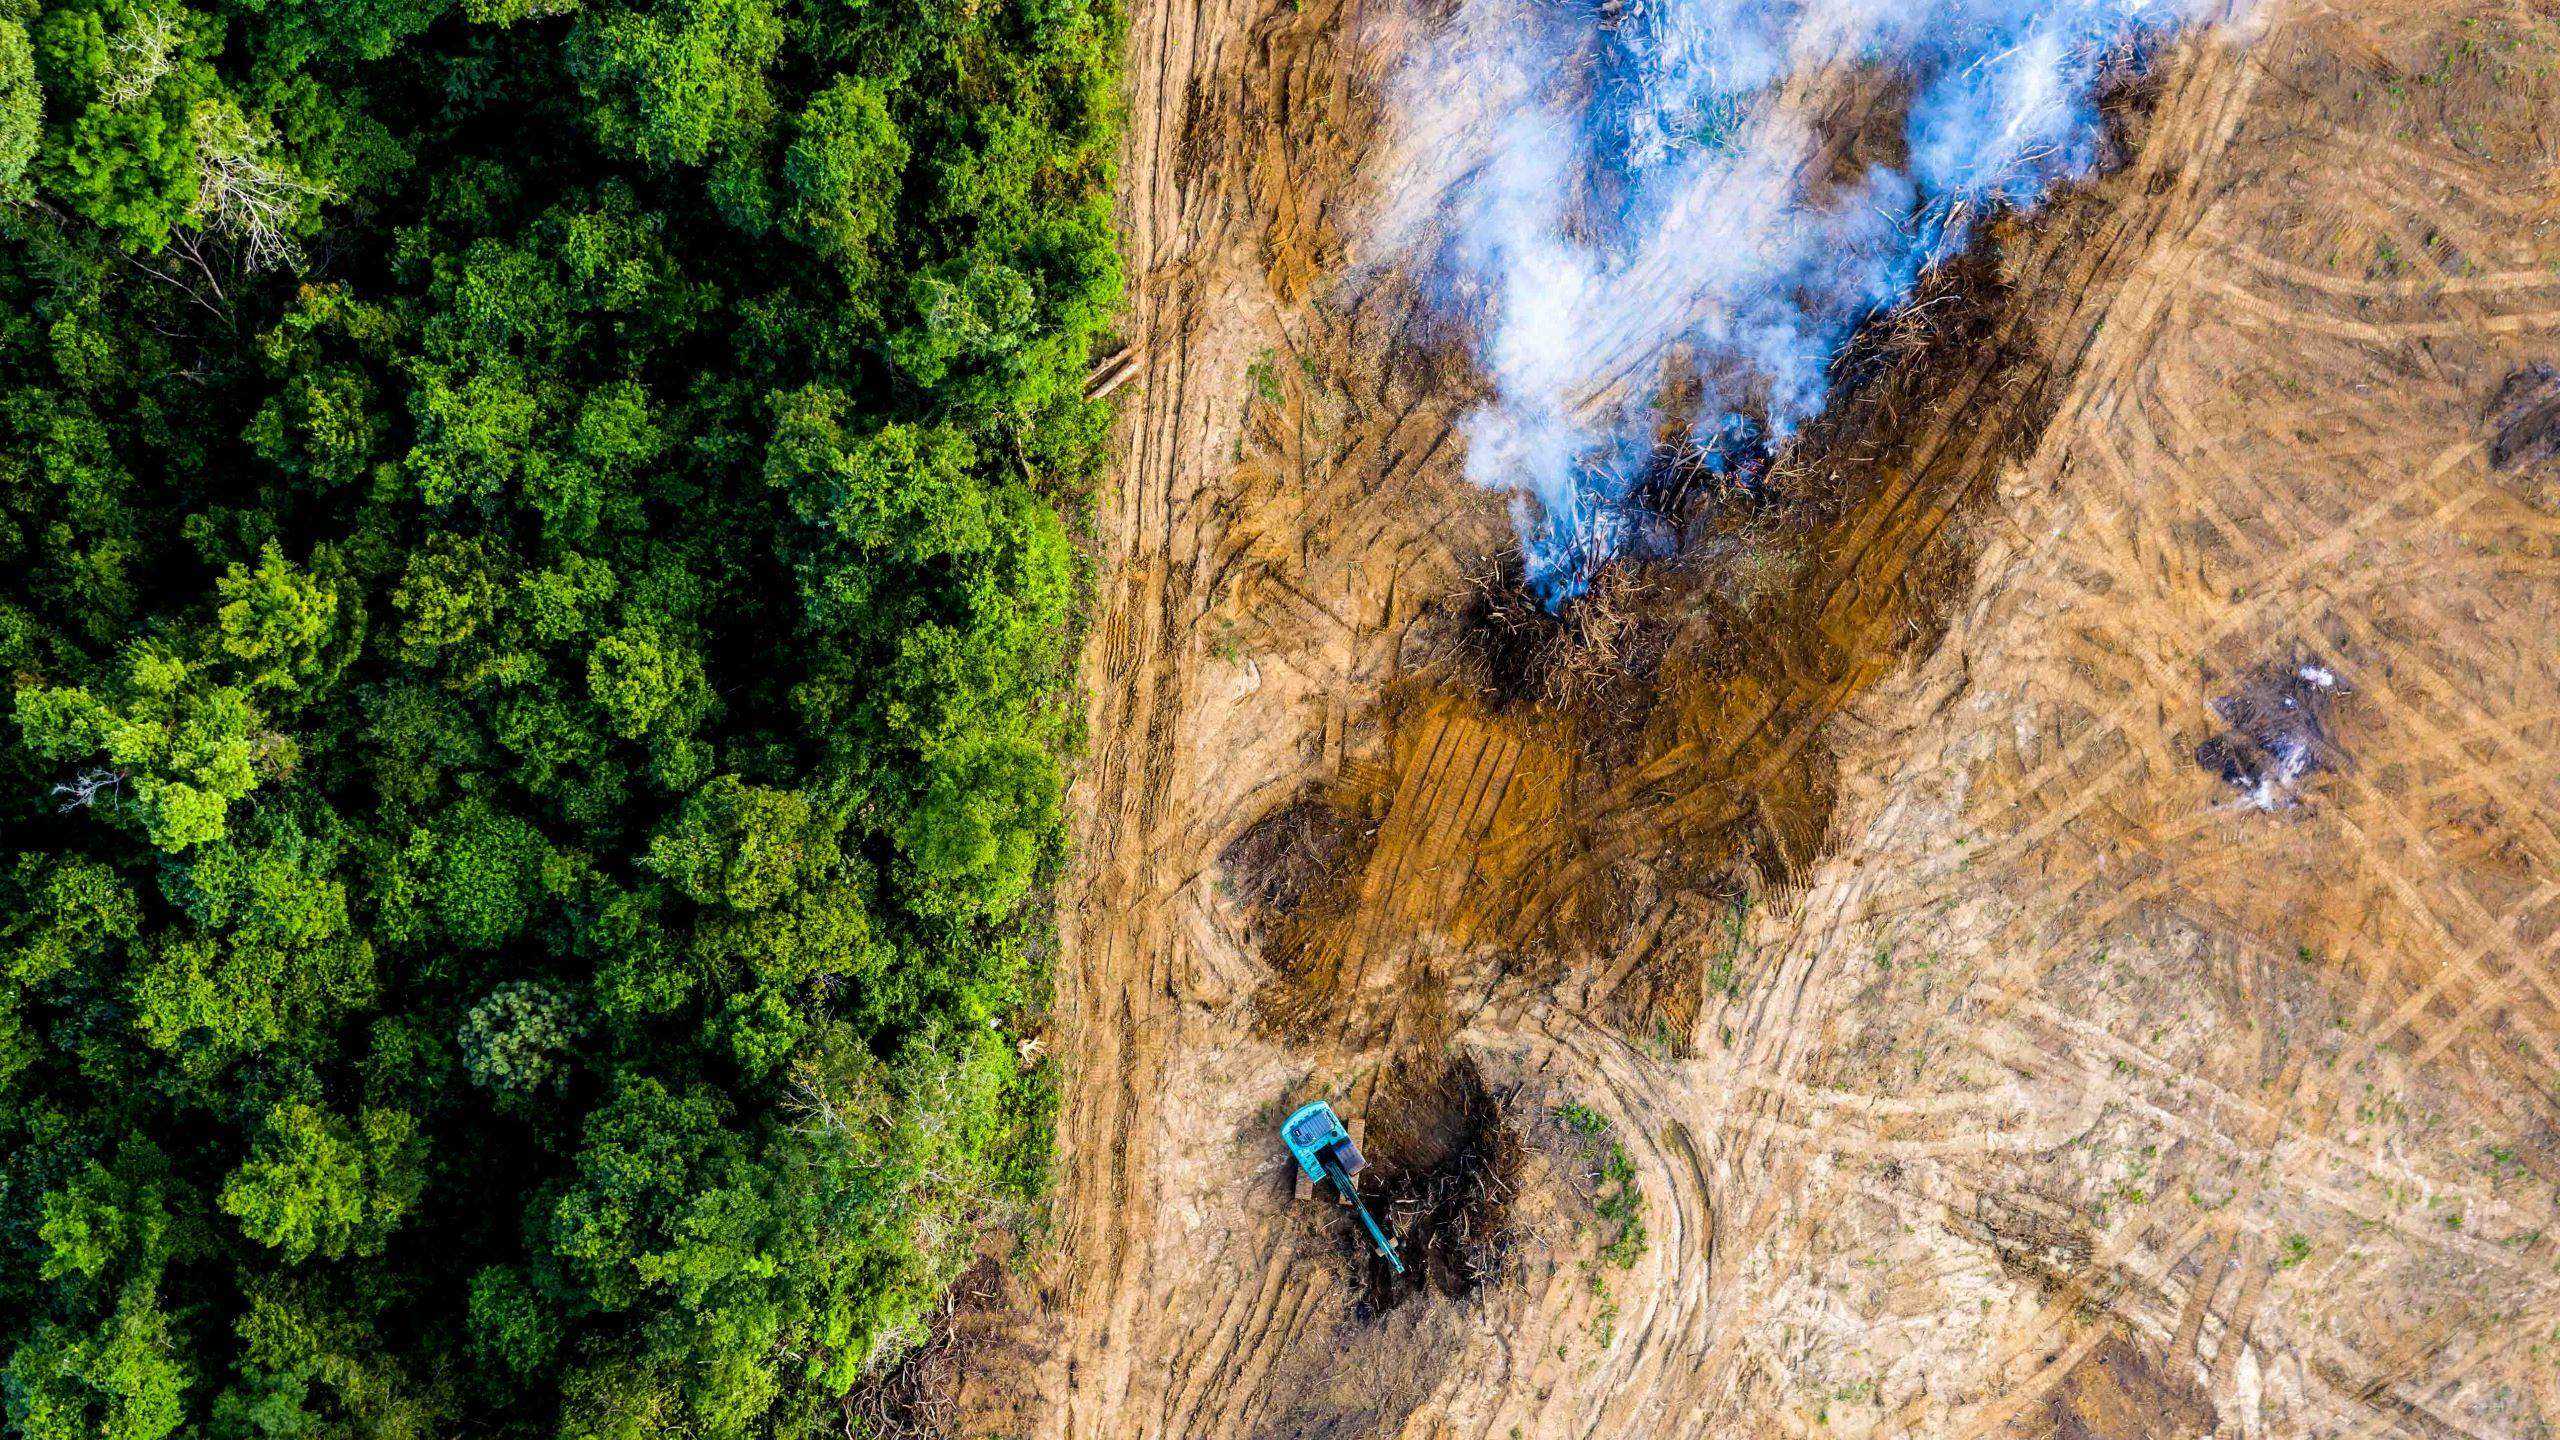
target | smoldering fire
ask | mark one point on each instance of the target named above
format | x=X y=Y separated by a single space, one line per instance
x=1601 y=182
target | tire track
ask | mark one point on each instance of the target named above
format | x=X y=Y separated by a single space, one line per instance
x=1926 y=1040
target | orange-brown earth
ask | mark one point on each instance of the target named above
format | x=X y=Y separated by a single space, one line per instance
x=1985 y=1064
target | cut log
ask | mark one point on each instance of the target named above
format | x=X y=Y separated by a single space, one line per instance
x=1115 y=371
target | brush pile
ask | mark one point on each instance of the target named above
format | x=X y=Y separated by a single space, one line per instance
x=1600 y=650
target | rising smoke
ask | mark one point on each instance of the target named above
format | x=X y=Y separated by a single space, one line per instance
x=1601 y=181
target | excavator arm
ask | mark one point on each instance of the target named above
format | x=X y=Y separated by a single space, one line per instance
x=1350 y=1193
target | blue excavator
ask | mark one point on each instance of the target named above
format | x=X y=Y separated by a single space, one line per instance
x=1324 y=1151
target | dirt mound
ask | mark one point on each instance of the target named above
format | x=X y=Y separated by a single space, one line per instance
x=2524 y=424
x=1288 y=853
x=2037 y=1238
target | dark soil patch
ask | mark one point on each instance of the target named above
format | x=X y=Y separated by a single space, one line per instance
x=2525 y=417
x=1296 y=872
x=1444 y=1165
x=2117 y=1392
x=1292 y=853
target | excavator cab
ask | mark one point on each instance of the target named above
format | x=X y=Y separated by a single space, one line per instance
x=1322 y=1143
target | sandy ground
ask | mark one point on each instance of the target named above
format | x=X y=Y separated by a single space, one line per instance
x=1986 y=1064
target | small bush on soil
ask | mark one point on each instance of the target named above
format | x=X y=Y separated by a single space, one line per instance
x=1606 y=1177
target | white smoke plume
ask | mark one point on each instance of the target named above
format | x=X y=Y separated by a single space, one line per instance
x=1600 y=182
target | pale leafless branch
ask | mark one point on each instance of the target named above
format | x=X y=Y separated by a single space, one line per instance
x=138 y=58
x=245 y=190
x=84 y=789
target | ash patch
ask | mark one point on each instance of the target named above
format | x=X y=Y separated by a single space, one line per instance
x=2036 y=1239
x=2524 y=442
x=2276 y=733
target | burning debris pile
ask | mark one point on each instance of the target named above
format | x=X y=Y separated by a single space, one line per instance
x=1599 y=652
x=1592 y=636
x=1606 y=185
x=2276 y=733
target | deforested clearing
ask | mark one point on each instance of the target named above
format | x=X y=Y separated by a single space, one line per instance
x=2041 y=885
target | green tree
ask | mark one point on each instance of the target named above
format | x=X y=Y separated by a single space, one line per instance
x=515 y=1041
x=21 y=105
x=187 y=745
x=512 y=1322
x=844 y=170
x=65 y=913
x=110 y=1219
x=647 y=683
x=123 y=79
x=275 y=621
x=124 y=1380
x=969 y=312
x=745 y=846
x=317 y=1184
x=683 y=80
x=983 y=830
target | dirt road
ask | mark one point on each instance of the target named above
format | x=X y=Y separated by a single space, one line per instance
x=1905 y=997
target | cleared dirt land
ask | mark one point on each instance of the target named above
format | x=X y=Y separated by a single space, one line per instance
x=2046 y=928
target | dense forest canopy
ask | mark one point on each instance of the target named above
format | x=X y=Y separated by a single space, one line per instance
x=535 y=585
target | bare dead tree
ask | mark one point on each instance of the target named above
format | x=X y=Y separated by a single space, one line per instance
x=84 y=789
x=245 y=190
x=138 y=58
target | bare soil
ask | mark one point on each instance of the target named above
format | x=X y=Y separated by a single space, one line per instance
x=1900 y=877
